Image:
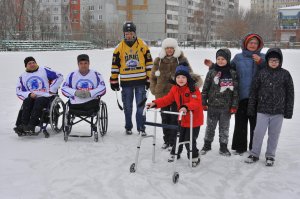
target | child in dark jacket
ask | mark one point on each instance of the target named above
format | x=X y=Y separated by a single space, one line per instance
x=187 y=98
x=220 y=100
x=272 y=98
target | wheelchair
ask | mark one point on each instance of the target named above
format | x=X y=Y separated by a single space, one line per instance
x=98 y=120
x=52 y=115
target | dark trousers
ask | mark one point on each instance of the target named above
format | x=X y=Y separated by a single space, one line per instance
x=185 y=136
x=169 y=134
x=87 y=106
x=32 y=110
x=239 y=140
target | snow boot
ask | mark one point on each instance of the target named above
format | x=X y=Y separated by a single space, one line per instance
x=251 y=159
x=224 y=150
x=165 y=146
x=128 y=132
x=195 y=161
x=270 y=161
x=206 y=147
x=172 y=157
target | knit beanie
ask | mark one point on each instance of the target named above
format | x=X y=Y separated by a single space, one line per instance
x=224 y=52
x=28 y=59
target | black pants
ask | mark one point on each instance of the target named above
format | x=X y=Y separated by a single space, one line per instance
x=239 y=140
x=92 y=105
x=32 y=110
x=169 y=134
x=185 y=136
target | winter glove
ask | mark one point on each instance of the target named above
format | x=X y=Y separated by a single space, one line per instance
x=114 y=85
x=82 y=93
x=205 y=108
x=147 y=85
x=233 y=110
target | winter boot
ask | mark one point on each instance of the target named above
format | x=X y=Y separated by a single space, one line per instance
x=128 y=132
x=251 y=159
x=165 y=146
x=206 y=147
x=224 y=150
x=172 y=157
x=29 y=129
x=195 y=161
x=270 y=161
x=143 y=133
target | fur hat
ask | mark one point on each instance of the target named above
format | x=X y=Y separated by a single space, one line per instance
x=83 y=57
x=28 y=59
x=172 y=43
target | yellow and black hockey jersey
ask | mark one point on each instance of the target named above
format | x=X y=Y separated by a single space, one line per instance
x=133 y=64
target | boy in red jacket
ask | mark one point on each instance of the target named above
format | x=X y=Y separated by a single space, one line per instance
x=187 y=98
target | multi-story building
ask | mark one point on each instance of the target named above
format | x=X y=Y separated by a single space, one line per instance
x=288 y=24
x=155 y=19
x=270 y=6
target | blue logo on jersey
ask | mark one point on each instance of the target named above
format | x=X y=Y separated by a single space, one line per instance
x=35 y=83
x=84 y=84
x=132 y=63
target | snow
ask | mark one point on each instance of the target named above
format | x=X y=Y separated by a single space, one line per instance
x=36 y=167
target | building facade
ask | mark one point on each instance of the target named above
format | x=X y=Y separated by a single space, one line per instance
x=288 y=24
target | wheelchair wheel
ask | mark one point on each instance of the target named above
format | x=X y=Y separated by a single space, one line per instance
x=67 y=127
x=102 y=119
x=57 y=110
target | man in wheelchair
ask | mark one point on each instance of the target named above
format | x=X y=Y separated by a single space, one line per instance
x=84 y=87
x=35 y=87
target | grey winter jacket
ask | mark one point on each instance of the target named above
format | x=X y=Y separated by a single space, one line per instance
x=272 y=91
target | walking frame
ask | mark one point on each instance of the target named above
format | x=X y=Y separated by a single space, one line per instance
x=175 y=176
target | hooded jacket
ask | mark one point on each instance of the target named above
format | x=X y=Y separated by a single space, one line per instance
x=246 y=67
x=184 y=98
x=212 y=93
x=272 y=90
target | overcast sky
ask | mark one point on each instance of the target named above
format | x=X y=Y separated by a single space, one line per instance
x=245 y=4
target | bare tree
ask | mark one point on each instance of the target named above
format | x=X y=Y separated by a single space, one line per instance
x=261 y=23
x=234 y=26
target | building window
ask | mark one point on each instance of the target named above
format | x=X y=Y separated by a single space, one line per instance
x=91 y=7
x=74 y=2
x=56 y=18
x=91 y=16
x=99 y=17
x=100 y=7
x=55 y=9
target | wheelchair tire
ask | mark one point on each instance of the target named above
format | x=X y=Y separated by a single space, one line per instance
x=102 y=119
x=95 y=136
x=57 y=110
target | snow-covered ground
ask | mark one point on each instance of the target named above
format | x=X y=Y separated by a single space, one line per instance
x=35 y=167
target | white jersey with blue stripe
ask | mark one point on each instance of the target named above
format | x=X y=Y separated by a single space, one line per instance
x=93 y=82
x=40 y=82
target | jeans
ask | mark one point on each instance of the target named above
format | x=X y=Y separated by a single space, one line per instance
x=127 y=97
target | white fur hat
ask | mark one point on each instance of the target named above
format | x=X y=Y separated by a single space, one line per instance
x=169 y=42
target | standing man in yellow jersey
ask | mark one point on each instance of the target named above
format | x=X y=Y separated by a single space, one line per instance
x=132 y=61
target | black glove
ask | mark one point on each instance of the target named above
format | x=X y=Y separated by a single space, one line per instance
x=115 y=86
x=147 y=85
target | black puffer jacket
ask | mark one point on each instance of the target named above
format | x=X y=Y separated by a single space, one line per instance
x=272 y=91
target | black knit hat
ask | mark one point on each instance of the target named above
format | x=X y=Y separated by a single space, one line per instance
x=182 y=70
x=274 y=54
x=28 y=59
x=83 y=57
x=224 y=52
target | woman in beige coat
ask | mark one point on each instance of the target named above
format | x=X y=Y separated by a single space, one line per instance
x=162 y=74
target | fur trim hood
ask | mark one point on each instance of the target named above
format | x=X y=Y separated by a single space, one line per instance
x=169 y=42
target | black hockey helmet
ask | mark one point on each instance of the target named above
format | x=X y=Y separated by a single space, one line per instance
x=129 y=26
